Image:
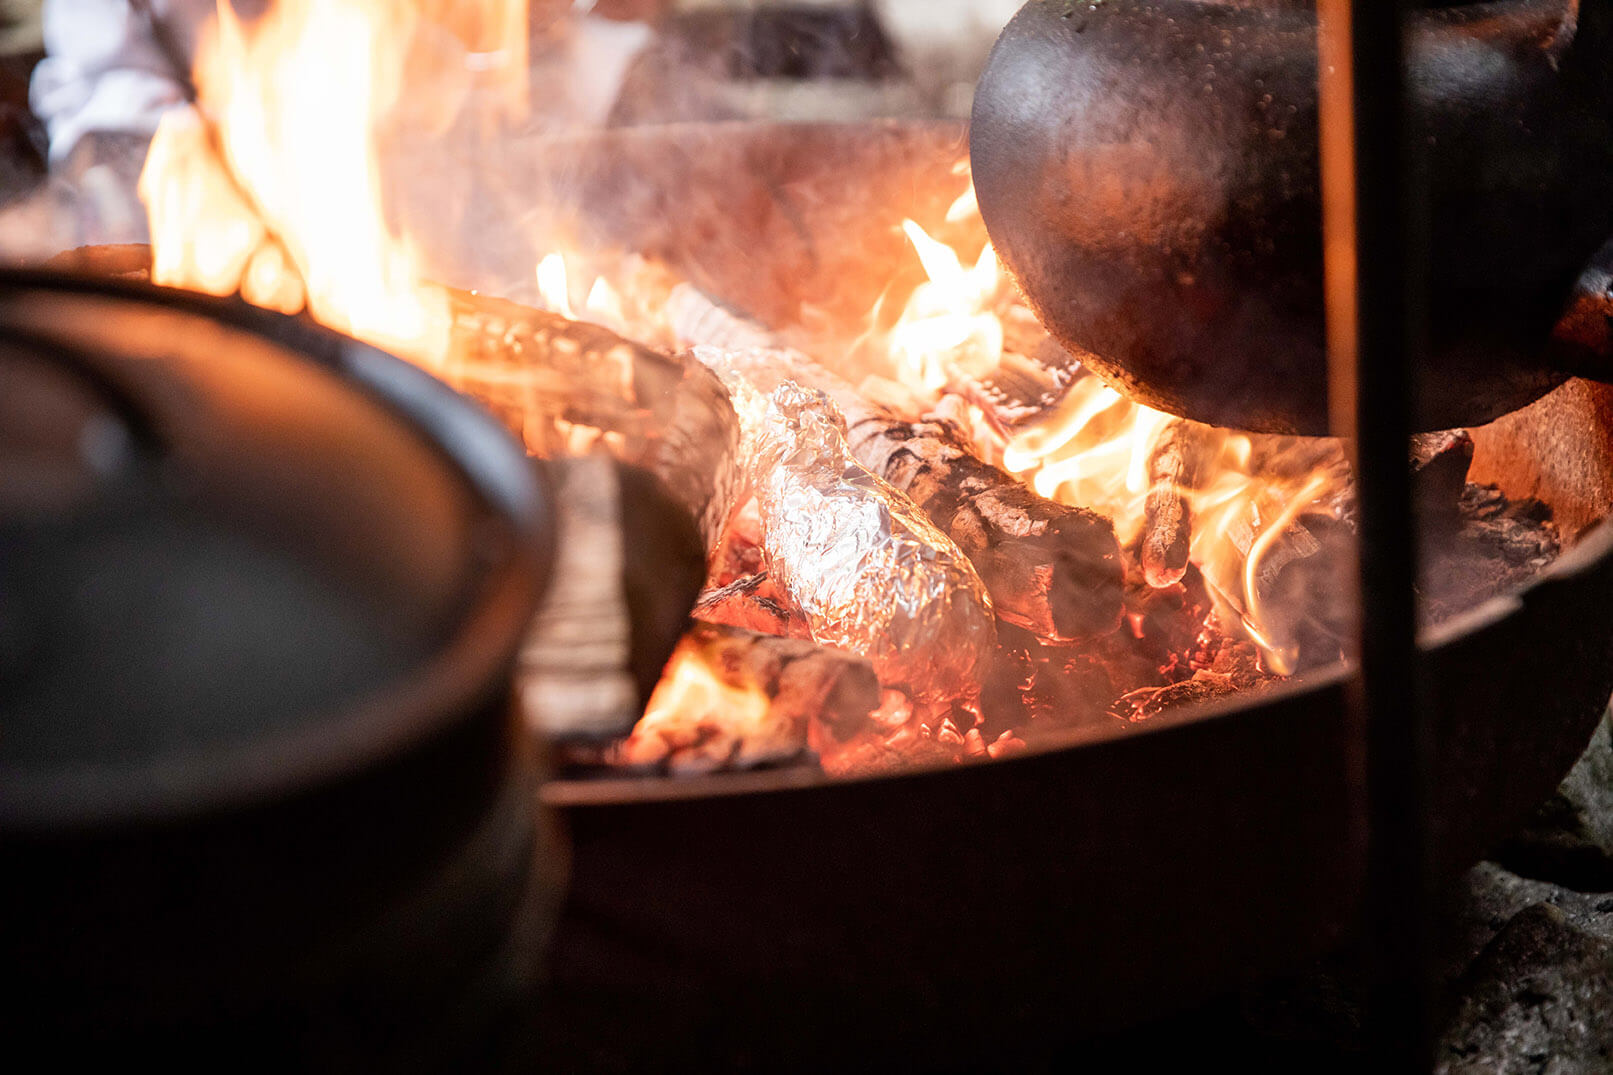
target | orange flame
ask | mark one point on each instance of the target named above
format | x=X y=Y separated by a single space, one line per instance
x=701 y=720
x=948 y=326
x=298 y=98
x=1093 y=448
x=554 y=285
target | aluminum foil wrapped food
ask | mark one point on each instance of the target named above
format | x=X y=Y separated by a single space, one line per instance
x=869 y=571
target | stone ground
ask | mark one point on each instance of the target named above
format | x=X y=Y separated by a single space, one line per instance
x=1532 y=938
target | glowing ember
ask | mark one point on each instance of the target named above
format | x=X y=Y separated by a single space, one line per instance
x=706 y=719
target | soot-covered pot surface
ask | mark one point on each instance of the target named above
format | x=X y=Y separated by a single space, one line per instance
x=1150 y=172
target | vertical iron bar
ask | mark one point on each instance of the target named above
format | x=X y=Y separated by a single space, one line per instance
x=1374 y=276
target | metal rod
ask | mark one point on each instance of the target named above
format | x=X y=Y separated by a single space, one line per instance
x=1375 y=279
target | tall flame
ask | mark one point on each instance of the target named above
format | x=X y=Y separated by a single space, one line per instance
x=291 y=187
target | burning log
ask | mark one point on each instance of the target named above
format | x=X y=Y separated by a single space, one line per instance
x=885 y=583
x=867 y=570
x=561 y=385
x=627 y=566
x=1175 y=464
x=734 y=699
x=802 y=679
x=1050 y=568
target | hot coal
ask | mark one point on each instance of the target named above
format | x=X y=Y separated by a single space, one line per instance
x=1171 y=649
x=1183 y=636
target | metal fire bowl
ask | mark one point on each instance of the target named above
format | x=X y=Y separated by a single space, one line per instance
x=949 y=916
x=965 y=916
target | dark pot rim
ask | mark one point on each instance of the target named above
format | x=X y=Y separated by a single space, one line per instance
x=460 y=678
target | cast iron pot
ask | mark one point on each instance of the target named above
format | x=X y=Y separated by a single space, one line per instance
x=968 y=917
x=1149 y=173
x=261 y=587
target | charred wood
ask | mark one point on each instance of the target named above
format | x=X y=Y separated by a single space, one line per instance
x=1050 y=568
x=1030 y=379
x=663 y=565
x=1500 y=545
x=1439 y=466
x=752 y=603
x=1148 y=702
x=565 y=387
x=1176 y=464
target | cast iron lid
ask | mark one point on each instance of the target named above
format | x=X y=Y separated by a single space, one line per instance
x=239 y=554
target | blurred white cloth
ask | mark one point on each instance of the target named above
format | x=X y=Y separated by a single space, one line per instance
x=103 y=71
x=601 y=51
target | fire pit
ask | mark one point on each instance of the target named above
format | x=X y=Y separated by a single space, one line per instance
x=1011 y=709
x=1105 y=871
x=1093 y=878
x=965 y=528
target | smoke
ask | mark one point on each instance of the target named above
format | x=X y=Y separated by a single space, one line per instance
x=488 y=200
